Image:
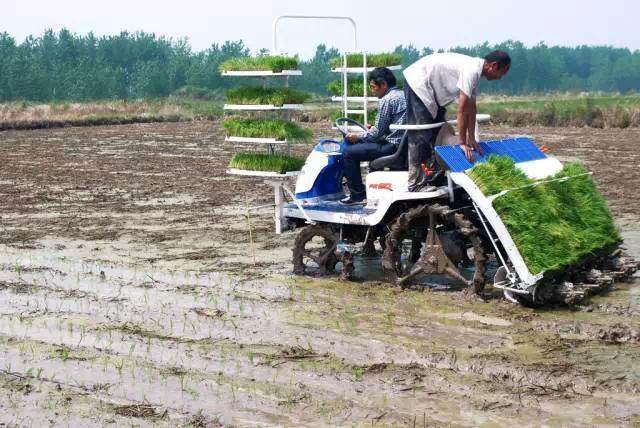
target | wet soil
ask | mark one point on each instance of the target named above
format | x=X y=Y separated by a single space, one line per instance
x=135 y=289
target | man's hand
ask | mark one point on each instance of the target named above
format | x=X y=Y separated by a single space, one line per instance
x=468 y=152
x=477 y=147
x=352 y=137
x=368 y=125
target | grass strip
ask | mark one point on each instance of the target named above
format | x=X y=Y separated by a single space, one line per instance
x=267 y=128
x=554 y=225
x=616 y=111
x=260 y=63
x=373 y=60
x=259 y=95
x=266 y=162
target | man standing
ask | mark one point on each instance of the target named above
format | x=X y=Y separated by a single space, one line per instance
x=432 y=83
x=379 y=140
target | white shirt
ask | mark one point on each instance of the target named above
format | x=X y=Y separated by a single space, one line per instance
x=437 y=79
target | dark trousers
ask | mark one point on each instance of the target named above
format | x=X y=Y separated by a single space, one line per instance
x=420 y=142
x=362 y=152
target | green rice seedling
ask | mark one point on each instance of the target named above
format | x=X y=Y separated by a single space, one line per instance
x=373 y=60
x=267 y=128
x=258 y=95
x=555 y=224
x=260 y=63
x=354 y=87
x=266 y=162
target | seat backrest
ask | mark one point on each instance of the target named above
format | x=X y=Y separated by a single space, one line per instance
x=397 y=160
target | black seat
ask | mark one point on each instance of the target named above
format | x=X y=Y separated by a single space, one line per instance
x=396 y=161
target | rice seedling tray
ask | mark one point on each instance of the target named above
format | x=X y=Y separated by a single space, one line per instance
x=263 y=107
x=253 y=140
x=355 y=62
x=362 y=69
x=270 y=174
x=274 y=63
x=262 y=73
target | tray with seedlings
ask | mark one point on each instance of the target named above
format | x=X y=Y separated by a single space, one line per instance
x=268 y=131
x=260 y=98
x=354 y=86
x=541 y=215
x=261 y=66
x=355 y=62
x=265 y=165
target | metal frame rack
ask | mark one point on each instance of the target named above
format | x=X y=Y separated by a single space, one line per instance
x=264 y=74
x=346 y=99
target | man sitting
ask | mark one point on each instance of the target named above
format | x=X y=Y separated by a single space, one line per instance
x=379 y=140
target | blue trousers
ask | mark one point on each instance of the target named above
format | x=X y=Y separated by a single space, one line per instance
x=362 y=152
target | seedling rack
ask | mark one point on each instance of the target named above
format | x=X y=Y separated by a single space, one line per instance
x=276 y=180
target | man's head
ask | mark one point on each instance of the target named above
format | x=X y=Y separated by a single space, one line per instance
x=380 y=80
x=496 y=65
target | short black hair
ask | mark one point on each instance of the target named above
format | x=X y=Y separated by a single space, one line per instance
x=502 y=58
x=382 y=74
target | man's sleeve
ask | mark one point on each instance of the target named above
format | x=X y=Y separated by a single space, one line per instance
x=383 y=121
x=468 y=80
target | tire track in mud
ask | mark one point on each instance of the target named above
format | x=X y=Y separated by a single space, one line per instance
x=161 y=325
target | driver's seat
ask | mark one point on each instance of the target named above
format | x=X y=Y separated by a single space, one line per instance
x=395 y=162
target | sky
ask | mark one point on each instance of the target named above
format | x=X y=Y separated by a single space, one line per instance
x=381 y=24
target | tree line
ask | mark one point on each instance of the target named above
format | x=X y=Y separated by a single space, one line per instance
x=68 y=66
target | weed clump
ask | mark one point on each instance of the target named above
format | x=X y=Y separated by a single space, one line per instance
x=373 y=60
x=266 y=162
x=258 y=95
x=555 y=224
x=260 y=63
x=267 y=128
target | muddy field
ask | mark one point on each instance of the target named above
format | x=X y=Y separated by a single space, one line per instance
x=135 y=290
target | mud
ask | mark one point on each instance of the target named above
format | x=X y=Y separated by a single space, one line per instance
x=135 y=289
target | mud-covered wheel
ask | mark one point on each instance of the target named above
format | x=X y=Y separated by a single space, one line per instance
x=314 y=251
x=442 y=242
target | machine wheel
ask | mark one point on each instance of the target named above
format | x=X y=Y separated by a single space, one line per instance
x=314 y=251
x=447 y=236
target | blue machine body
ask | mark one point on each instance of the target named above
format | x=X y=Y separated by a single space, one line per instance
x=322 y=173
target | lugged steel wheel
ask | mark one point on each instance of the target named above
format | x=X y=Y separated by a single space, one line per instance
x=314 y=251
x=428 y=224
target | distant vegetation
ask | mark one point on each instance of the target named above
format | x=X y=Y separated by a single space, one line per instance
x=67 y=66
x=597 y=111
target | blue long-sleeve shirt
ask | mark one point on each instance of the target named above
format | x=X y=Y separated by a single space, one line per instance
x=392 y=109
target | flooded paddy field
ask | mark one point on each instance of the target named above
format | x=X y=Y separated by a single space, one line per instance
x=135 y=290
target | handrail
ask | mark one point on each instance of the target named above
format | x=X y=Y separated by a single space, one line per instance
x=276 y=21
x=480 y=118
